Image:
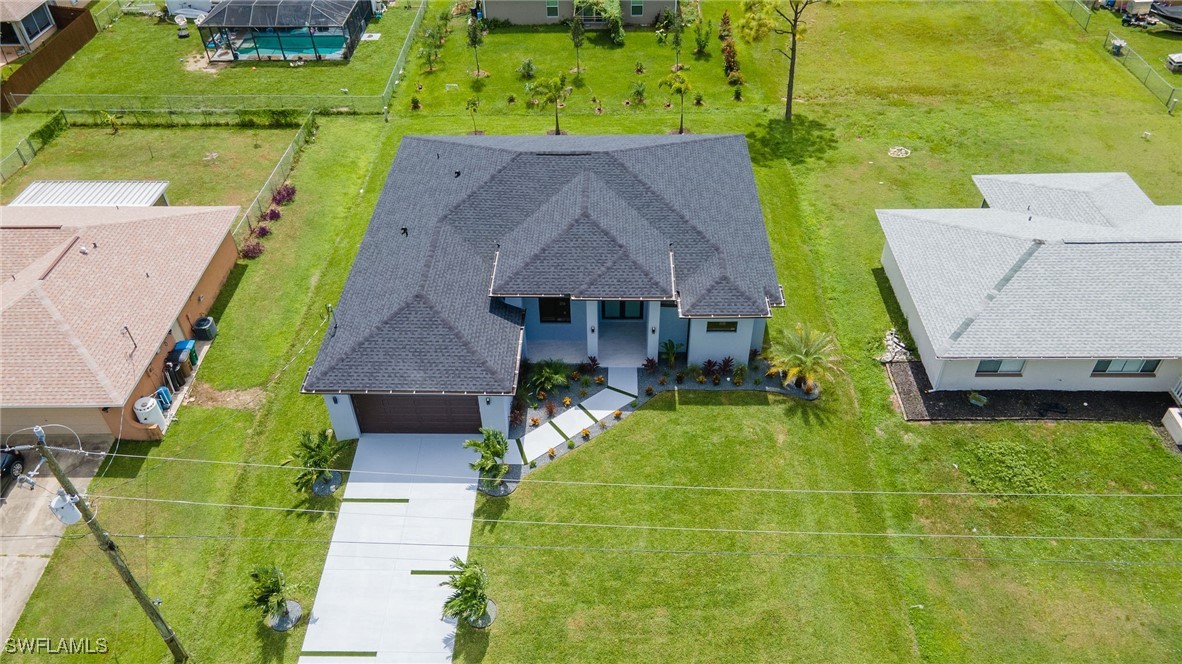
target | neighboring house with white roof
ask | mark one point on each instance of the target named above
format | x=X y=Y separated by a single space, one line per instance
x=93 y=300
x=1059 y=282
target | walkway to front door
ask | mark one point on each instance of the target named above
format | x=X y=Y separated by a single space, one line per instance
x=621 y=391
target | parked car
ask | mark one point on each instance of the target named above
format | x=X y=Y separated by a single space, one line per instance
x=12 y=463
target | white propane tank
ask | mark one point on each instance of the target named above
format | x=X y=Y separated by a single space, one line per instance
x=147 y=411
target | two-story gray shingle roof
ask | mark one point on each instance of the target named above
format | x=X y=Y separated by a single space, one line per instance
x=1058 y=266
x=464 y=222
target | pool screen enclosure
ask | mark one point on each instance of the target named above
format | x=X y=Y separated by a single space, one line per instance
x=284 y=29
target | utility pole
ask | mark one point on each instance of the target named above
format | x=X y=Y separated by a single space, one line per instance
x=108 y=546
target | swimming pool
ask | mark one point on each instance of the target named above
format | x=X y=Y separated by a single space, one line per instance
x=293 y=45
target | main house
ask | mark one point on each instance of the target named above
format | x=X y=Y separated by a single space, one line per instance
x=485 y=250
x=1066 y=281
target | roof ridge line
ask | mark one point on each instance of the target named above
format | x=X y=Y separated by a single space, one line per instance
x=1001 y=283
x=460 y=335
x=644 y=183
x=83 y=352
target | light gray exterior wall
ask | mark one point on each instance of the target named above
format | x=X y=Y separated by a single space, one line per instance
x=1068 y=375
x=1037 y=374
x=673 y=327
x=705 y=345
x=494 y=412
x=533 y=12
x=652 y=328
x=575 y=330
x=342 y=416
x=931 y=364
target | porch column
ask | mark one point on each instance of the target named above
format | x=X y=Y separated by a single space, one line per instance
x=592 y=327
x=652 y=328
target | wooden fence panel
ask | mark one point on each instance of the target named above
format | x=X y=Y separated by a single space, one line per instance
x=75 y=28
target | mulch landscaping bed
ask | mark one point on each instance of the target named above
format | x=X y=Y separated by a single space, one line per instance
x=919 y=403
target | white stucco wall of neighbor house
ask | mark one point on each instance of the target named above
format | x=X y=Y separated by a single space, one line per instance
x=494 y=412
x=931 y=364
x=705 y=345
x=342 y=416
x=1069 y=375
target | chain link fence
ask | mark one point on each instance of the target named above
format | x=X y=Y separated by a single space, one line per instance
x=330 y=103
x=1078 y=11
x=1165 y=92
x=105 y=16
x=262 y=202
x=29 y=146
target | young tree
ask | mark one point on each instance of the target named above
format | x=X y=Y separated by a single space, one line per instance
x=492 y=448
x=475 y=39
x=469 y=598
x=471 y=106
x=792 y=19
x=578 y=34
x=804 y=357
x=680 y=86
x=676 y=30
x=552 y=91
x=702 y=36
x=429 y=52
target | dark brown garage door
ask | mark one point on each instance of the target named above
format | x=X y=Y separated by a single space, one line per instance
x=417 y=414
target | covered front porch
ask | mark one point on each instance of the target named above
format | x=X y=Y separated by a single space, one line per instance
x=620 y=333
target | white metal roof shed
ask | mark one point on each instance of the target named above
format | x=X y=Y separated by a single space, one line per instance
x=132 y=193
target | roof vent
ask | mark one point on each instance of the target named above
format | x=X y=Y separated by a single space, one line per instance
x=83 y=250
x=457 y=174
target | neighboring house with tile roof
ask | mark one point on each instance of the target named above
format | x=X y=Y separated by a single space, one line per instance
x=94 y=298
x=485 y=250
x=1066 y=281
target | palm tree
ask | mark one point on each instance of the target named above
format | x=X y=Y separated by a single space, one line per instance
x=315 y=458
x=492 y=449
x=679 y=85
x=670 y=349
x=553 y=91
x=804 y=357
x=577 y=35
x=270 y=590
x=469 y=598
x=547 y=375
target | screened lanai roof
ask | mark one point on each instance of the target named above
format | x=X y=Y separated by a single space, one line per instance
x=279 y=13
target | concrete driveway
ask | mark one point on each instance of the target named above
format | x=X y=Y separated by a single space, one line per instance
x=379 y=598
x=24 y=511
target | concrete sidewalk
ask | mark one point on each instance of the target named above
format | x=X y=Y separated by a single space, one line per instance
x=379 y=598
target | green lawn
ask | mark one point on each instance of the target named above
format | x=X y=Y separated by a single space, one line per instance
x=140 y=56
x=16 y=126
x=970 y=89
x=204 y=165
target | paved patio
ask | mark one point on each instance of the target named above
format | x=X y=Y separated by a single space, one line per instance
x=374 y=603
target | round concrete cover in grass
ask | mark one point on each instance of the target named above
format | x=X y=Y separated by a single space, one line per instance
x=323 y=487
x=490 y=614
x=282 y=623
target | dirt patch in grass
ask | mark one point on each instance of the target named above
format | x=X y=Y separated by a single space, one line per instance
x=204 y=395
x=198 y=62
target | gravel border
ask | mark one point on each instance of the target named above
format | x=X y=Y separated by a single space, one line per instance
x=919 y=404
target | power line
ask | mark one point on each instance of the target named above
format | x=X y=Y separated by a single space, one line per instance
x=695 y=529
x=637 y=485
x=700 y=552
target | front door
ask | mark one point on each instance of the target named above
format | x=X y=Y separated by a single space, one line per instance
x=621 y=310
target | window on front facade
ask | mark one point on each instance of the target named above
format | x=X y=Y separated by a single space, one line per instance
x=621 y=310
x=552 y=8
x=638 y=7
x=722 y=326
x=1001 y=367
x=1126 y=366
x=554 y=309
x=37 y=22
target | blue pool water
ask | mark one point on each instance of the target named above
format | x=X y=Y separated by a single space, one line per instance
x=294 y=45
